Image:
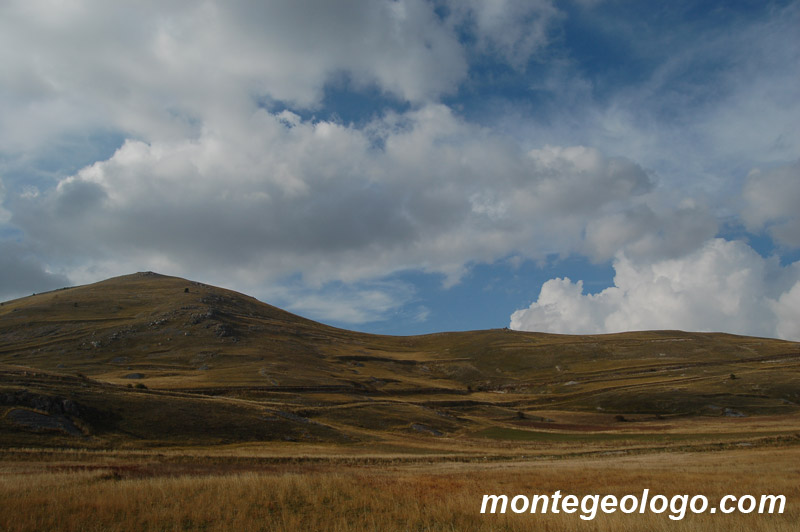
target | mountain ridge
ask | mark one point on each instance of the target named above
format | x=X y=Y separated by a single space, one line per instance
x=190 y=348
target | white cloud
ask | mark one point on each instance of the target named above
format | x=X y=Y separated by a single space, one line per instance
x=787 y=310
x=344 y=303
x=772 y=200
x=160 y=70
x=421 y=314
x=724 y=286
x=270 y=195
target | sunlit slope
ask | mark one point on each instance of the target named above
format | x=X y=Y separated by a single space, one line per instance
x=150 y=343
x=169 y=331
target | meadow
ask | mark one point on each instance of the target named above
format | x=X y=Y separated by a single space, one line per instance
x=252 y=489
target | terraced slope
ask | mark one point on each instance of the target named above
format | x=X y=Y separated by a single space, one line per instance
x=151 y=358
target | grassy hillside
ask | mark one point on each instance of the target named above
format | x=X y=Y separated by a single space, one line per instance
x=150 y=359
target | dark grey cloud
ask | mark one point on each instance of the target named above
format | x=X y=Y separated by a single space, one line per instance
x=22 y=274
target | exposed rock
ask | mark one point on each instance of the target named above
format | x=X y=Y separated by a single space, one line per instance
x=200 y=317
x=223 y=330
x=730 y=412
x=38 y=421
x=426 y=429
x=295 y=417
x=45 y=403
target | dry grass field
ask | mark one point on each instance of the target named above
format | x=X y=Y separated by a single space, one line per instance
x=84 y=493
x=154 y=403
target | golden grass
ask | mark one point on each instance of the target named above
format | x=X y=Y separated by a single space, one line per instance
x=437 y=496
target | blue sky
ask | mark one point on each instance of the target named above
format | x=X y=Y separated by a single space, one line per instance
x=413 y=166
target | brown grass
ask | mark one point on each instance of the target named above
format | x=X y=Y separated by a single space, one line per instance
x=36 y=495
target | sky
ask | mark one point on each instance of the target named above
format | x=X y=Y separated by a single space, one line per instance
x=413 y=166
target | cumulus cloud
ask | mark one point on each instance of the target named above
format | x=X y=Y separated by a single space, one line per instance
x=646 y=232
x=273 y=195
x=787 y=310
x=723 y=286
x=92 y=64
x=772 y=201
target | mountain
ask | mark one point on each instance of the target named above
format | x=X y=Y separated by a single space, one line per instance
x=151 y=359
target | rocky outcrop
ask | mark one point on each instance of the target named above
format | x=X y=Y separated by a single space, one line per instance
x=44 y=403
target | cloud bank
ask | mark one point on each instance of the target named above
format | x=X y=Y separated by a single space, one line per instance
x=272 y=196
x=723 y=286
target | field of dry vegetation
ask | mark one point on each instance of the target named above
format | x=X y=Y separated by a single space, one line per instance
x=253 y=489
